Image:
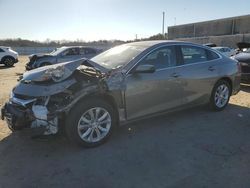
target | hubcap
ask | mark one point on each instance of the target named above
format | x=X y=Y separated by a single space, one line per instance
x=94 y=124
x=8 y=62
x=221 y=96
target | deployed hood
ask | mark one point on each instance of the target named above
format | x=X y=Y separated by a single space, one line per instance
x=242 y=45
x=59 y=72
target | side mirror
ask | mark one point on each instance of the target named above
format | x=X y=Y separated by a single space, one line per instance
x=145 y=69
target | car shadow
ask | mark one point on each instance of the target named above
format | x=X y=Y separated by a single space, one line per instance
x=5 y=67
x=245 y=87
x=162 y=121
x=165 y=142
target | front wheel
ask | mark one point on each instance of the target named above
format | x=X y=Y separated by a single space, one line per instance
x=220 y=95
x=90 y=123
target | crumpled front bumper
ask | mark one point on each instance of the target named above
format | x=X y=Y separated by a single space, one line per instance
x=21 y=117
x=16 y=116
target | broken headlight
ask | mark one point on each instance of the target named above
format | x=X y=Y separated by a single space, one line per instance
x=57 y=73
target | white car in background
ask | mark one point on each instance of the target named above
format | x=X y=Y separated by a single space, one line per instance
x=8 y=57
x=225 y=51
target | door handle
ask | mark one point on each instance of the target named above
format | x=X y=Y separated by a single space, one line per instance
x=175 y=75
x=211 y=68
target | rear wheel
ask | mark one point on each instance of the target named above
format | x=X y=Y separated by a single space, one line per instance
x=90 y=123
x=8 y=61
x=220 y=95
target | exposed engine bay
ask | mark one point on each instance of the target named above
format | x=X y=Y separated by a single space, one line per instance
x=44 y=96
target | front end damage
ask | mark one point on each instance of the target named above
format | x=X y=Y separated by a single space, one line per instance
x=30 y=113
x=40 y=102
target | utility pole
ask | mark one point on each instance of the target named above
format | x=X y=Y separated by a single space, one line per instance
x=163 y=24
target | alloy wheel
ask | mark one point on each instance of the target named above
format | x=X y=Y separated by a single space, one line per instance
x=221 y=96
x=94 y=125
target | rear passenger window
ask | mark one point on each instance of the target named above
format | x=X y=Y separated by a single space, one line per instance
x=193 y=54
x=212 y=55
x=1 y=50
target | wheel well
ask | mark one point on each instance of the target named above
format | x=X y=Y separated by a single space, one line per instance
x=7 y=56
x=107 y=98
x=229 y=81
x=110 y=100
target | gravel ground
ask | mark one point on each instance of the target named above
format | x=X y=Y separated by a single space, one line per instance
x=193 y=148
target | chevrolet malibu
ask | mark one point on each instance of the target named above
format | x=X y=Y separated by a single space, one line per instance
x=89 y=98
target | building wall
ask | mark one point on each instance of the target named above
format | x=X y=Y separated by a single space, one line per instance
x=225 y=40
x=227 y=31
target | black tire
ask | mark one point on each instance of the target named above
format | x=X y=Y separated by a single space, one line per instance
x=213 y=104
x=73 y=118
x=8 y=61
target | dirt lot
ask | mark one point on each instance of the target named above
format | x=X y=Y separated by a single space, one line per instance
x=194 y=148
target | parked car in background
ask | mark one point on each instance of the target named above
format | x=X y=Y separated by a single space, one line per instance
x=8 y=57
x=60 y=55
x=128 y=82
x=243 y=57
x=210 y=45
x=225 y=51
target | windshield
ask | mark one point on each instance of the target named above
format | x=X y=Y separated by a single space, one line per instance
x=118 y=56
x=57 y=51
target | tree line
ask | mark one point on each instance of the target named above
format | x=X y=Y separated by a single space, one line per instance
x=52 y=43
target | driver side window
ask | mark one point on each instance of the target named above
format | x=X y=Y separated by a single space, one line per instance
x=161 y=58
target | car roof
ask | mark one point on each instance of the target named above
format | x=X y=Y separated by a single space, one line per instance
x=159 y=42
x=67 y=47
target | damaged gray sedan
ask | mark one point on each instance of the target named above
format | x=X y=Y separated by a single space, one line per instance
x=88 y=98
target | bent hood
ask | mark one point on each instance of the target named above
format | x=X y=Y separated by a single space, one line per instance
x=242 y=45
x=29 y=87
x=34 y=57
x=70 y=67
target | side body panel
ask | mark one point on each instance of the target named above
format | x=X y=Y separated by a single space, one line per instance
x=151 y=93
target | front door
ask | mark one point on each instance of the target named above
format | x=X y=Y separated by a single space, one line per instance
x=148 y=93
x=69 y=55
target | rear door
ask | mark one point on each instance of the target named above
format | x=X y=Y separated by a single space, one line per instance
x=197 y=74
x=148 y=93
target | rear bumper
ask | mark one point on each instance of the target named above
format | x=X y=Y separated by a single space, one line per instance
x=236 y=84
